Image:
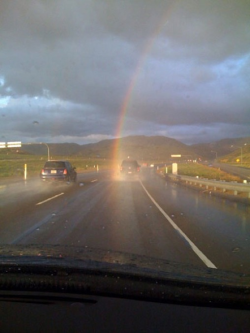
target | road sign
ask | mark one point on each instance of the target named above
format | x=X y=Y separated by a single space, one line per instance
x=2 y=144
x=14 y=144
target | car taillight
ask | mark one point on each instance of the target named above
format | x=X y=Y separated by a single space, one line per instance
x=65 y=171
x=42 y=172
x=121 y=168
x=138 y=169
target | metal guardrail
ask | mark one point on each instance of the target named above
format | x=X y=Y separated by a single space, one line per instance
x=236 y=188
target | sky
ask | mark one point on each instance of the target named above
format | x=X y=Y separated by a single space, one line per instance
x=84 y=71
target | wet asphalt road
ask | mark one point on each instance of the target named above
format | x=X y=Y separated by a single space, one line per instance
x=147 y=216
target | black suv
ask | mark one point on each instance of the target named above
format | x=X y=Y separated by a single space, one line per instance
x=130 y=168
x=58 y=171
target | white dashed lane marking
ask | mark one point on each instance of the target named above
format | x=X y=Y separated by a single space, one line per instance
x=42 y=202
x=198 y=252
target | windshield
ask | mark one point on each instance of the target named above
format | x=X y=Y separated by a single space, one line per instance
x=91 y=86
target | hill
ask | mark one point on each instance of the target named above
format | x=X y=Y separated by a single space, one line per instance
x=139 y=147
x=56 y=149
x=148 y=148
x=221 y=148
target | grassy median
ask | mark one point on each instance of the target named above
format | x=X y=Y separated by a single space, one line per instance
x=13 y=165
x=203 y=171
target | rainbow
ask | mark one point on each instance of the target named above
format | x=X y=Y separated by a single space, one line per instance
x=129 y=94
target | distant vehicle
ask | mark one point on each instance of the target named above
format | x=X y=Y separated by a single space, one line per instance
x=130 y=168
x=58 y=171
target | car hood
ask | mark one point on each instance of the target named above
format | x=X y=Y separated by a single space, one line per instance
x=55 y=268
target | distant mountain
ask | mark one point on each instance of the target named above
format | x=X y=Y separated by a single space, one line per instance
x=56 y=149
x=157 y=148
x=138 y=147
x=219 y=148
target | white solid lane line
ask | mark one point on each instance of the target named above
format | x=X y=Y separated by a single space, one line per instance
x=58 y=195
x=201 y=255
x=94 y=180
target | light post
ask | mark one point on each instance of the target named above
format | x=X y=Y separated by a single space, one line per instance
x=39 y=143
x=240 y=152
x=43 y=143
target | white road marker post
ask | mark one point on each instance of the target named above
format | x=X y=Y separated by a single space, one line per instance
x=175 y=169
x=25 y=171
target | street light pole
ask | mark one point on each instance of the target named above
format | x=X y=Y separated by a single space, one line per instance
x=39 y=143
x=43 y=143
x=241 y=155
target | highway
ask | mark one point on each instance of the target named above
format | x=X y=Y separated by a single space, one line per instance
x=146 y=216
x=242 y=172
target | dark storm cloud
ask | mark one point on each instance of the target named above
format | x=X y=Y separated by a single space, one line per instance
x=63 y=48
x=69 y=64
x=207 y=31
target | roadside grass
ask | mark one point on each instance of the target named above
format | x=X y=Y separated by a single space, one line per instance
x=13 y=165
x=235 y=159
x=203 y=171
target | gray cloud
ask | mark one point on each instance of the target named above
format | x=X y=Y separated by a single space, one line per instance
x=69 y=65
